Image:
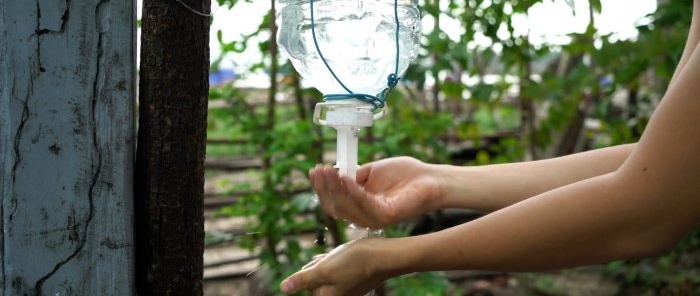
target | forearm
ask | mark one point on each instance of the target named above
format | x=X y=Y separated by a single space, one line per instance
x=493 y=187
x=588 y=222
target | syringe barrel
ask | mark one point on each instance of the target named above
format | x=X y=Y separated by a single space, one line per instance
x=346 y=150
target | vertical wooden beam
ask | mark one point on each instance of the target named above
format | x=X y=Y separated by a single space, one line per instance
x=66 y=147
x=173 y=96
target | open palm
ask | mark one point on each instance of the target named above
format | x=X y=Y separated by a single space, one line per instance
x=385 y=192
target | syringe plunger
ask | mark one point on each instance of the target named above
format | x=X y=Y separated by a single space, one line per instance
x=347 y=150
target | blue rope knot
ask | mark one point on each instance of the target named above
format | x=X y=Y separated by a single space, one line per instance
x=377 y=101
x=392 y=80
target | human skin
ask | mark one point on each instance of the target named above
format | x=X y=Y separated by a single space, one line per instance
x=621 y=203
x=399 y=188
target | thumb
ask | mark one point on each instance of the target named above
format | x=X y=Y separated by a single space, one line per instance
x=362 y=174
x=352 y=186
x=303 y=280
x=355 y=191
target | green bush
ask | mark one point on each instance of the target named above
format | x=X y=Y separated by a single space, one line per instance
x=535 y=108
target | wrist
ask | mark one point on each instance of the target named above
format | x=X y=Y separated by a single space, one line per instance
x=393 y=257
x=456 y=186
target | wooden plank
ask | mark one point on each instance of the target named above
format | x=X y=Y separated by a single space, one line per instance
x=66 y=143
x=212 y=201
x=230 y=261
x=233 y=164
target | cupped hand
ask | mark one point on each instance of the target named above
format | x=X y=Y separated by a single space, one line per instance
x=339 y=272
x=385 y=192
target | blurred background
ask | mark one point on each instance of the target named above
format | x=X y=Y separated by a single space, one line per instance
x=496 y=81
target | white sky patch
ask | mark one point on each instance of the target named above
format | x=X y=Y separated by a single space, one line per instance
x=552 y=21
x=242 y=19
x=549 y=21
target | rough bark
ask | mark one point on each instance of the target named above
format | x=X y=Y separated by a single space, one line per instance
x=171 y=145
x=66 y=147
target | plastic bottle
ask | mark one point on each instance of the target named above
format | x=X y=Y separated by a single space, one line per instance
x=356 y=37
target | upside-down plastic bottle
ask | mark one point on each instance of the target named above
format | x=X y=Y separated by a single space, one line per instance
x=348 y=46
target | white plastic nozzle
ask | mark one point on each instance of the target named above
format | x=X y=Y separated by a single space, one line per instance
x=346 y=117
x=346 y=162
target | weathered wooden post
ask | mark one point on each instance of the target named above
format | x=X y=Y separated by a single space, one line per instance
x=67 y=147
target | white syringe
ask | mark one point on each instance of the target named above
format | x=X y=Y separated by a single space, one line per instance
x=346 y=117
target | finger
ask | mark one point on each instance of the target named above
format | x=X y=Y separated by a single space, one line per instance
x=353 y=189
x=314 y=261
x=311 y=264
x=319 y=184
x=311 y=180
x=303 y=280
x=366 y=204
x=316 y=172
x=363 y=174
x=311 y=174
x=332 y=185
x=326 y=291
x=332 y=179
x=344 y=206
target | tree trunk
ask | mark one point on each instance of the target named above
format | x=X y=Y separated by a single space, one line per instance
x=573 y=137
x=270 y=117
x=66 y=147
x=436 y=57
x=528 y=115
x=299 y=95
x=171 y=145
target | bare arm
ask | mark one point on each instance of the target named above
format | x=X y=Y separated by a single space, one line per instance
x=400 y=188
x=496 y=186
x=493 y=187
x=640 y=210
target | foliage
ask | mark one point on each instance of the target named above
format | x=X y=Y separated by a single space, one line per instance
x=655 y=53
x=675 y=273
x=424 y=283
x=273 y=211
x=507 y=97
x=407 y=131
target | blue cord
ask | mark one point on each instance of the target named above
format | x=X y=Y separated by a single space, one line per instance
x=377 y=101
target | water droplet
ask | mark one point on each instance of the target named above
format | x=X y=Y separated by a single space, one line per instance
x=375 y=232
x=314 y=202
